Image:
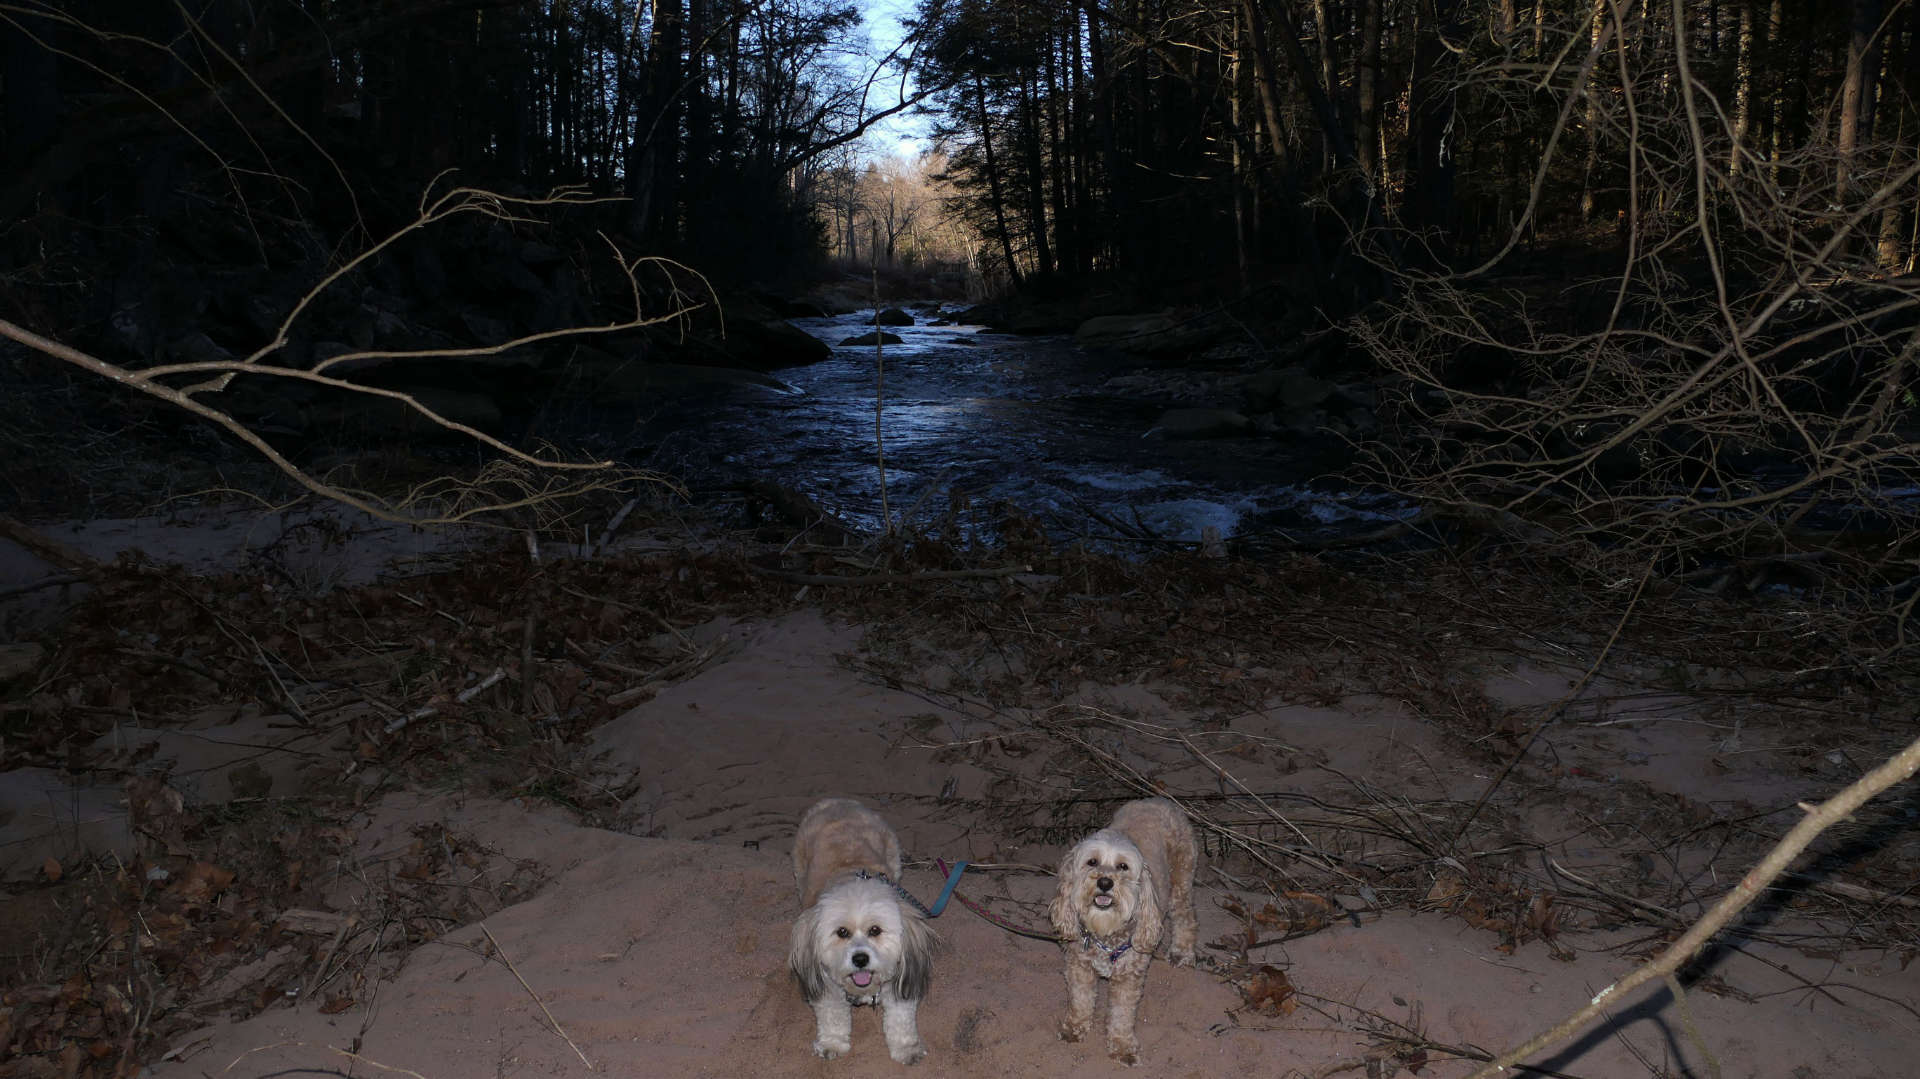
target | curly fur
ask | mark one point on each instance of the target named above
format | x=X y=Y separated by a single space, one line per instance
x=1119 y=891
x=856 y=942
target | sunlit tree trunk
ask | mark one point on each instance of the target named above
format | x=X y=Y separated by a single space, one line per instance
x=1742 y=90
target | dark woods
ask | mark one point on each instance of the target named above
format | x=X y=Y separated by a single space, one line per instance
x=710 y=117
x=1230 y=139
x=1164 y=142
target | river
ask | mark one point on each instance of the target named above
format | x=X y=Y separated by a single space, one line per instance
x=1035 y=422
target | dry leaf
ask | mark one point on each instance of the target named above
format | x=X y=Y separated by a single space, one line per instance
x=1269 y=992
x=51 y=867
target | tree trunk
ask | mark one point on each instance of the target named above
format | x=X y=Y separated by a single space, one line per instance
x=1592 y=118
x=1036 y=180
x=1367 y=93
x=1856 y=91
x=993 y=181
x=1430 y=158
x=1742 y=91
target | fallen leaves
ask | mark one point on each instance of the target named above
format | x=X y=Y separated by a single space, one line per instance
x=1518 y=915
x=1268 y=991
x=1295 y=915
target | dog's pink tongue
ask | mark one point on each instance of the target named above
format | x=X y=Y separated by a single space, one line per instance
x=863 y=978
x=1103 y=901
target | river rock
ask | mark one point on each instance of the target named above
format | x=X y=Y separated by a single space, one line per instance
x=893 y=316
x=1145 y=334
x=1285 y=389
x=1200 y=423
x=871 y=337
x=1113 y=331
x=611 y=379
x=770 y=344
x=375 y=413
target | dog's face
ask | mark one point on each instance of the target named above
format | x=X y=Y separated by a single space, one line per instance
x=1103 y=888
x=859 y=939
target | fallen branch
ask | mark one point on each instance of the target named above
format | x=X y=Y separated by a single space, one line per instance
x=1819 y=818
x=51 y=550
x=551 y=1021
x=893 y=578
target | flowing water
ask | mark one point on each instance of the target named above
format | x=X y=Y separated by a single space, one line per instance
x=991 y=418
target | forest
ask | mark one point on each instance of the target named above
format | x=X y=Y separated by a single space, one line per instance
x=1157 y=142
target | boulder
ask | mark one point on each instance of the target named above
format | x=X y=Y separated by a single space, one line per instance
x=874 y=337
x=893 y=316
x=1107 y=330
x=770 y=344
x=1144 y=334
x=376 y=413
x=784 y=307
x=1285 y=389
x=609 y=379
x=1200 y=423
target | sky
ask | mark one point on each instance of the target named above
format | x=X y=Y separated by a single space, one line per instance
x=902 y=136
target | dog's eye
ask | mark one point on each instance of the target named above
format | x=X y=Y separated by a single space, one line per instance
x=873 y=931
x=1122 y=867
x=1093 y=862
x=843 y=932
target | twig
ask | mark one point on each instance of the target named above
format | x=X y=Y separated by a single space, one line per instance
x=555 y=1023
x=463 y=697
x=54 y=581
x=1693 y=1029
x=892 y=578
x=1818 y=819
x=1558 y=706
x=52 y=550
x=613 y=525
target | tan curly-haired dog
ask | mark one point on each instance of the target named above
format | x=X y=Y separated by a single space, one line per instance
x=1118 y=888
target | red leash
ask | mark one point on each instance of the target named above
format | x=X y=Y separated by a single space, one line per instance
x=993 y=919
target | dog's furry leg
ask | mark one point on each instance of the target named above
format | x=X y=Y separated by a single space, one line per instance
x=898 y=1020
x=832 y=1025
x=1081 y=985
x=1123 y=1004
x=1184 y=944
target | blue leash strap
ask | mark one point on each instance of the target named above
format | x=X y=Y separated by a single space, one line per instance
x=953 y=881
x=940 y=904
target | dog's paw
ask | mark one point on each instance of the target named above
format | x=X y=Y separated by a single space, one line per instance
x=1072 y=1030
x=827 y=1050
x=1181 y=957
x=1124 y=1050
x=908 y=1054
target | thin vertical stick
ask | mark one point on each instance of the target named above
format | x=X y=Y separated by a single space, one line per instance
x=879 y=393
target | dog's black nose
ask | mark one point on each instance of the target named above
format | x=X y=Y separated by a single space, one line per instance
x=860 y=959
x=1105 y=883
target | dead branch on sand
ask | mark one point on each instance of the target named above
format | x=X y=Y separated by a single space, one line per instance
x=1818 y=819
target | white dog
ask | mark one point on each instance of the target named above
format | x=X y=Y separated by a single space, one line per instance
x=1117 y=888
x=857 y=941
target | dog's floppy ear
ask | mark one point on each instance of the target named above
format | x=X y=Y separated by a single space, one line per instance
x=917 y=941
x=803 y=955
x=1061 y=912
x=1148 y=918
